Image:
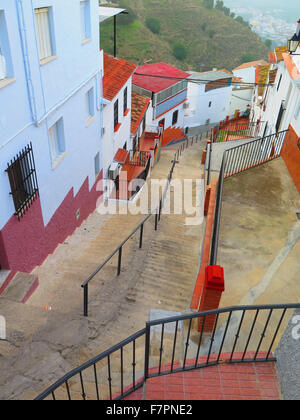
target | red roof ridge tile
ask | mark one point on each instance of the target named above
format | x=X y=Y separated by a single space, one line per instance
x=116 y=73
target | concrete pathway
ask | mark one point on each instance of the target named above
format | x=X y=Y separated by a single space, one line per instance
x=259 y=244
x=42 y=344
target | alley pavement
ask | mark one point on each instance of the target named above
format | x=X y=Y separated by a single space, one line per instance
x=48 y=336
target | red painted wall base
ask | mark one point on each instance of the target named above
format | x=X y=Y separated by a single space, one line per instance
x=25 y=244
x=291 y=155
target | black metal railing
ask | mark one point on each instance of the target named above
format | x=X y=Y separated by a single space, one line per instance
x=119 y=250
x=239 y=334
x=239 y=159
x=140 y=227
x=140 y=158
x=236 y=130
x=253 y=153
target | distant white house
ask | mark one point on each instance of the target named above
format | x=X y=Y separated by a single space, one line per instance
x=208 y=97
x=242 y=96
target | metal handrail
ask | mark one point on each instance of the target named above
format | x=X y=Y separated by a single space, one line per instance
x=211 y=357
x=234 y=162
x=140 y=226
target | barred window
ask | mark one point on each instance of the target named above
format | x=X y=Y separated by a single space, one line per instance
x=23 y=181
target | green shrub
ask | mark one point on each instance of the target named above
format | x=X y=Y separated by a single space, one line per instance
x=179 y=51
x=153 y=24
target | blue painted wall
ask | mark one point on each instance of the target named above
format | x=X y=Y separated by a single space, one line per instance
x=41 y=95
x=170 y=103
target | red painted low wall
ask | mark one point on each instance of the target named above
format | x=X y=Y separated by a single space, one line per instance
x=291 y=155
x=198 y=290
x=25 y=244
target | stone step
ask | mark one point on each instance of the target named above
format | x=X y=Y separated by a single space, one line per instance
x=4 y=274
x=21 y=287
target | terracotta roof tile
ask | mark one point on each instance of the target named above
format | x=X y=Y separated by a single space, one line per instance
x=139 y=105
x=273 y=74
x=262 y=73
x=156 y=84
x=276 y=56
x=121 y=155
x=116 y=74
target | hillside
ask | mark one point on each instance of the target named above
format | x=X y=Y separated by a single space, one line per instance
x=210 y=38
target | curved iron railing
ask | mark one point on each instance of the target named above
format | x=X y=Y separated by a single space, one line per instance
x=177 y=344
x=239 y=159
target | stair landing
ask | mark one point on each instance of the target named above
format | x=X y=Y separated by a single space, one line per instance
x=237 y=381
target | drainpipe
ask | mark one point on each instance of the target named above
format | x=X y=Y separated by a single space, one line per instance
x=25 y=53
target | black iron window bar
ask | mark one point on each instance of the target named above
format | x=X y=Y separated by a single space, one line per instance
x=23 y=180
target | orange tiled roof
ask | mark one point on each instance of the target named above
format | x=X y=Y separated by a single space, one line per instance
x=273 y=74
x=121 y=155
x=116 y=74
x=262 y=73
x=252 y=64
x=276 y=56
x=139 y=105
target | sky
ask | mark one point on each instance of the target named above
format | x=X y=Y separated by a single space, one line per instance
x=290 y=8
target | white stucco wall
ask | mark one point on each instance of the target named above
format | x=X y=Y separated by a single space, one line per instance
x=112 y=141
x=240 y=98
x=40 y=95
x=199 y=111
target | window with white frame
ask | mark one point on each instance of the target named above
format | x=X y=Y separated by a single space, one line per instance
x=57 y=141
x=90 y=102
x=43 y=31
x=85 y=19
x=6 y=70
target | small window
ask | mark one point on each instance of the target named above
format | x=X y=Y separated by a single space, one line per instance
x=23 y=181
x=6 y=68
x=57 y=141
x=90 y=101
x=125 y=99
x=209 y=105
x=116 y=113
x=85 y=20
x=42 y=22
x=97 y=164
x=175 y=118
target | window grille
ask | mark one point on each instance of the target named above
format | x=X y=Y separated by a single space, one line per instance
x=23 y=181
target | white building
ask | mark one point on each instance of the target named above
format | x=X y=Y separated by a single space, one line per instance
x=242 y=95
x=208 y=98
x=117 y=86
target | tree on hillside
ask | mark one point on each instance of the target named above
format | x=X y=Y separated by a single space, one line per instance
x=153 y=24
x=179 y=51
x=268 y=43
x=209 y=4
x=247 y=58
x=126 y=19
